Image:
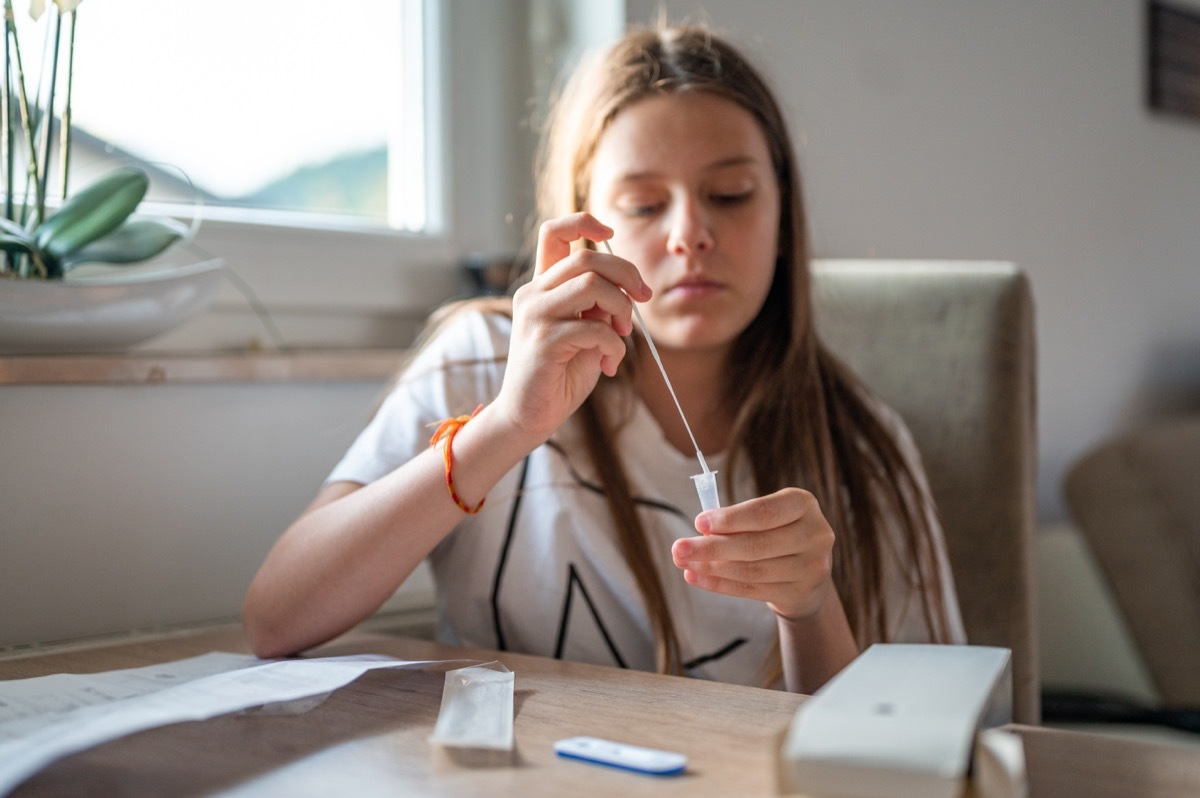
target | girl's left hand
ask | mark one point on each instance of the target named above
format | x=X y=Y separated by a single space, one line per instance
x=777 y=549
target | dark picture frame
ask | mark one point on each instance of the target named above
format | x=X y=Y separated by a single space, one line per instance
x=1173 y=67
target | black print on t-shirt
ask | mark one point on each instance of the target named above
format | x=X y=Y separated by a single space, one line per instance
x=704 y=659
x=501 y=645
x=574 y=582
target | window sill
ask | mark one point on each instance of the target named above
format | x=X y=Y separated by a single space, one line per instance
x=216 y=367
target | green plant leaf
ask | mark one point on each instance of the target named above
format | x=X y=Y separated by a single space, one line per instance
x=134 y=241
x=13 y=229
x=11 y=243
x=14 y=233
x=92 y=213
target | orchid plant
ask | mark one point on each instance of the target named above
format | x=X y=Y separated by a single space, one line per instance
x=97 y=224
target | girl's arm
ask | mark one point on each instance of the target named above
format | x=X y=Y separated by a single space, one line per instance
x=817 y=647
x=355 y=545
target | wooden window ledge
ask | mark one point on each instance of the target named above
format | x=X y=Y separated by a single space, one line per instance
x=152 y=369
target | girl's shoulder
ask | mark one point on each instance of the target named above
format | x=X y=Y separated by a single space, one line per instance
x=887 y=430
x=471 y=332
x=892 y=422
x=890 y=418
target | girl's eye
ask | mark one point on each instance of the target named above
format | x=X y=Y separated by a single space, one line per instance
x=731 y=198
x=638 y=210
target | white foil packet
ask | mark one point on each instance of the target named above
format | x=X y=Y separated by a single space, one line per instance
x=477 y=708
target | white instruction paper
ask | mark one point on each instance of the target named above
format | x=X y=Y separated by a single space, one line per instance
x=48 y=717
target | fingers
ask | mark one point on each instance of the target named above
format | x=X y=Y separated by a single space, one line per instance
x=556 y=236
x=780 y=571
x=569 y=325
x=577 y=283
x=577 y=292
x=778 y=556
x=766 y=512
x=560 y=262
x=742 y=588
x=777 y=549
x=582 y=336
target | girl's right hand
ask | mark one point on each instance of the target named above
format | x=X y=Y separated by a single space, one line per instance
x=568 y=324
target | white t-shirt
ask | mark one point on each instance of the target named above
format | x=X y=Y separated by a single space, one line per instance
x=539 y=569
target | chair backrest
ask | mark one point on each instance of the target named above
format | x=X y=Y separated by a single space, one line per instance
x=1136 y=503
x=950 y=346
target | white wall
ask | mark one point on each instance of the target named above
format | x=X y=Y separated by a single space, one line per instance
x=142 y=506
x=1004 y=130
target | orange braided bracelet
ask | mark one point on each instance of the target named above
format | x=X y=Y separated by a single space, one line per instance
x=448 y=428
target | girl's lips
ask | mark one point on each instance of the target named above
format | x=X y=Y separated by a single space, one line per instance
x=696 y=288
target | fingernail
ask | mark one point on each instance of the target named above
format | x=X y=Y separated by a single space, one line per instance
x=702 y=524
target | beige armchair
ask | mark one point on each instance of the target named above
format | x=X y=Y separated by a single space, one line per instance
x=1136 y=503
x=950 y=346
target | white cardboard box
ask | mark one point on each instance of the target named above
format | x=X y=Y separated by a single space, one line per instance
x=899 y=721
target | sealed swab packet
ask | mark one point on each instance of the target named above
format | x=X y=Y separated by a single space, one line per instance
x=706 y=483
x=477 y=708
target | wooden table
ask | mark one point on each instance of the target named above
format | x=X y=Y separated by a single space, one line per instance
x=370 y=738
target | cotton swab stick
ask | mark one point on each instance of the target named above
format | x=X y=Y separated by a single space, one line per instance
x=706 y=483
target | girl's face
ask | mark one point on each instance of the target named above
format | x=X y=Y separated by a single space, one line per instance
x=686 y=181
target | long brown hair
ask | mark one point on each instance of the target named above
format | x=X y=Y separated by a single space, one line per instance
x=800 y=413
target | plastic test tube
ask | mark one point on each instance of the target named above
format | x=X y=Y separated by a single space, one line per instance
x=706 y=488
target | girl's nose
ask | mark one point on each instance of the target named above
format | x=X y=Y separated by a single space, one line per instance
x=690 y=232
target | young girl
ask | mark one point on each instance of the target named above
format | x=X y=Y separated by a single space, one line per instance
x=560 y=518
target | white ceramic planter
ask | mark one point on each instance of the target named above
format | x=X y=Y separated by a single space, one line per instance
x=102 y=308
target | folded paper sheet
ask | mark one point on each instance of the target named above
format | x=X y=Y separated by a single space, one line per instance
x=49 y=717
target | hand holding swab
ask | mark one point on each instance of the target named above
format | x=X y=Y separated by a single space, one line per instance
x=706 y=483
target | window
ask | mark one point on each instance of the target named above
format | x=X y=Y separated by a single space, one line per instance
x=297 y=131
x=285 y=106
